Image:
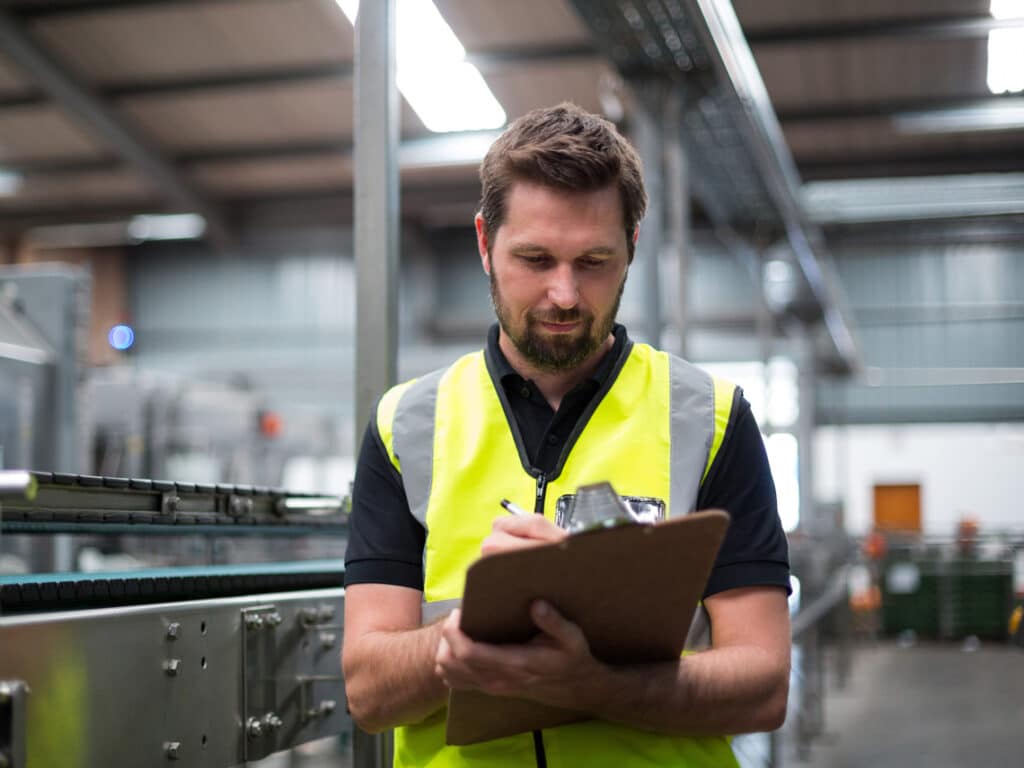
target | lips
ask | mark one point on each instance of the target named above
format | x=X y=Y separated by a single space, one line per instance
x=560 y=327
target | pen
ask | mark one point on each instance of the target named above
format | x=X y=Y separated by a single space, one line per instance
x=515 y=509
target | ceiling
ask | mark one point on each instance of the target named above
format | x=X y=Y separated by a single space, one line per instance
x=111 y=108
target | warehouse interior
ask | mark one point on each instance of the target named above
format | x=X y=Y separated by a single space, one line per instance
x=228 y=226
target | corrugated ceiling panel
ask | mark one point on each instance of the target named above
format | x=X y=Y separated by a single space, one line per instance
x=80 y=188
x=850 y=138
x=830 y=73
x=524 y=88
x=311 y=174
x=166 y=40
x=43 y=132
x=272 y=176
x=754 y=13
x=10 y=79
x=495 y=24
x=451 y=174
x=318 y=110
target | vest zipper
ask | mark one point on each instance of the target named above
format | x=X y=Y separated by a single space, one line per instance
x=542 y=487
x=538 y=508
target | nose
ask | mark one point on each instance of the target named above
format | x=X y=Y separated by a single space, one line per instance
x=563 y=288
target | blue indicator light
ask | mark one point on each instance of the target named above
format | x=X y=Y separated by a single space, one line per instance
x=121 y=337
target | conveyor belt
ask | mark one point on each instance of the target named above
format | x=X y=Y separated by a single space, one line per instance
x=90 y=504
x=72 y=591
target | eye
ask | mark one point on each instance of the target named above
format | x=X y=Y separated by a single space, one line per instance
x=534 y=259
x=591 y=263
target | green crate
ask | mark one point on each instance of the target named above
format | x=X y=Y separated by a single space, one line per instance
x=980 y=598
x=910 y=602
x=947 y=599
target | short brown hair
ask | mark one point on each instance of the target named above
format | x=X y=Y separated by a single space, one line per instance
x=564 y=147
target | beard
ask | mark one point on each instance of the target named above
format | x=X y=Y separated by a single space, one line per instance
x=557 y=352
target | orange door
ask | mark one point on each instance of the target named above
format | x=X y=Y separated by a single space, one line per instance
x=898 y=508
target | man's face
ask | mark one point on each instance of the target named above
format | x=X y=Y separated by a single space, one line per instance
x=557 y=267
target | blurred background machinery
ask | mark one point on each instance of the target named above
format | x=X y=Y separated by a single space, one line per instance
x=198 y=622
x=207 y=276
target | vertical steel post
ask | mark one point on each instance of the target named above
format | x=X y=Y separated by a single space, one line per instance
x=376 y=205
x=677 y=208
x=376 y=244
x=648 y=138
x=807 y=396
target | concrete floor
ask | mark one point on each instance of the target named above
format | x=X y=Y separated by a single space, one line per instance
x=929 y=705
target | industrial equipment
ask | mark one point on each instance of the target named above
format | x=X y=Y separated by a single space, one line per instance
x=215 y=640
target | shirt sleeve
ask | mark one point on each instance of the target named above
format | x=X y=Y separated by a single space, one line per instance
x=385 y=544
x=755 y=551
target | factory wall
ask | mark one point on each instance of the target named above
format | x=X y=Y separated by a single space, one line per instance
x=922 y=312
x=964 y=470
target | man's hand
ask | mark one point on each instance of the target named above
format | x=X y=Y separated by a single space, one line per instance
x=555 y=667
x=513 y=532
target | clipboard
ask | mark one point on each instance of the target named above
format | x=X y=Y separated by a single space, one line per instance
x=632 y=589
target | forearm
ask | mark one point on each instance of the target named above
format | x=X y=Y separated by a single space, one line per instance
x=390 y=678
x=738 y=689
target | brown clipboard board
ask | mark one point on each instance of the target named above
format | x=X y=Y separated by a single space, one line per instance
x=632 y=589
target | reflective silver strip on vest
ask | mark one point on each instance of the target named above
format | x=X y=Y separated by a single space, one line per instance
x=691 y=432
x=698 y=638
x=413 y=441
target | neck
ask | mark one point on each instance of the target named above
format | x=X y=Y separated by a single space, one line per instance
x=554 y=385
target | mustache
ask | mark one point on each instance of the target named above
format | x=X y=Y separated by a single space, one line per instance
x=558 y=316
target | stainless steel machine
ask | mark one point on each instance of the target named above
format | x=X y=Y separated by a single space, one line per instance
x=201 y=625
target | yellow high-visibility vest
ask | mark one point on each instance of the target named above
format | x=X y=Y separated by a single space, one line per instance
x=653 y=432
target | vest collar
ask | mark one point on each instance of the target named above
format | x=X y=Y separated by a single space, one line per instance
x=607 y=372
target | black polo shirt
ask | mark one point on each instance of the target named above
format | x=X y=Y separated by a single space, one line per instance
x=386 y=542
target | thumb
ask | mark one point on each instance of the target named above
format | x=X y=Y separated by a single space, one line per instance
x=552 y=623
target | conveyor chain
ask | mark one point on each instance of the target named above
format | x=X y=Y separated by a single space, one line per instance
x=49 y=592
x=68 y=502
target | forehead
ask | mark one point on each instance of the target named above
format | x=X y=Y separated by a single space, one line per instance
x=529 y=205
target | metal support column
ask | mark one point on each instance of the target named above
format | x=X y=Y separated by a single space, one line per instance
x=376 y=244
x=649 y=139
x=807 y=394
x=376 y=205
x=677 y=209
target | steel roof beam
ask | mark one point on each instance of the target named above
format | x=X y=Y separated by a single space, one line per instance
x=1010 y=158
x=942 y=27
x=890 y=108
x=35 y=9
x=488 y=62
x=115 y=131
x=903 y=163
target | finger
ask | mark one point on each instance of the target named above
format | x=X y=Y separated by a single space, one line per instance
x=442 y=661
x=552 y=623
x=500 y=541
x=529 y=526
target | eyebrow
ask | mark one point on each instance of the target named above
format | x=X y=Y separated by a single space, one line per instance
x=528 y=247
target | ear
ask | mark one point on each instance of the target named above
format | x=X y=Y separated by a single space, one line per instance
x=636 y=235
x=481 y=242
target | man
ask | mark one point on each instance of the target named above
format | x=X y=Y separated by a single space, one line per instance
x=559 y=398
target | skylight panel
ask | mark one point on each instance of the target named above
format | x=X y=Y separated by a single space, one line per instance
x=446 y=91
x=1006 y=49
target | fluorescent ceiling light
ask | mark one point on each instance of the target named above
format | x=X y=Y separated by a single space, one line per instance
x=178 y=226
x=1006 y=49
x=446 y=91
x=10 y=182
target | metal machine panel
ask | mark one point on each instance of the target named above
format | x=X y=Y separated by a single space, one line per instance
x=209 y=683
